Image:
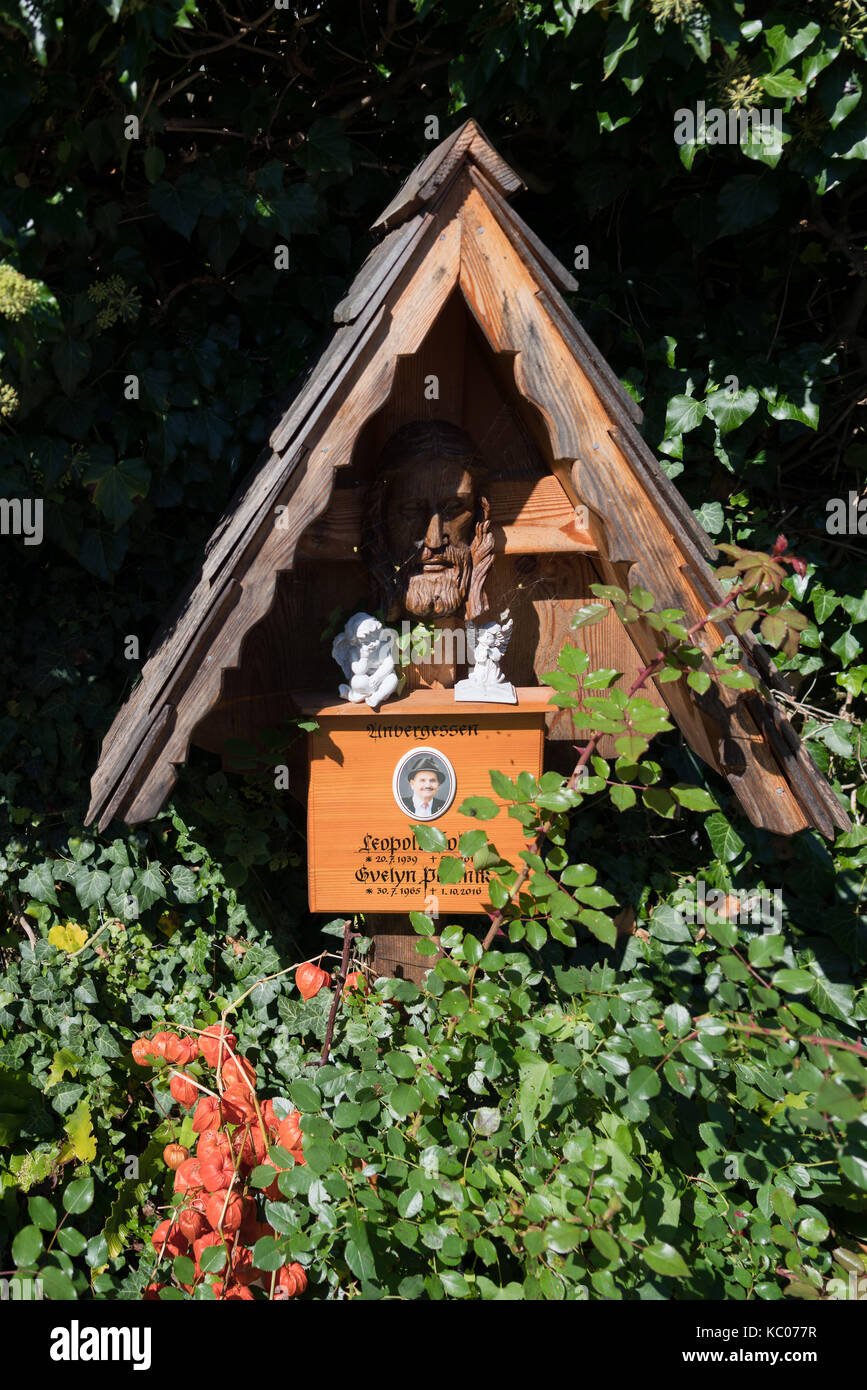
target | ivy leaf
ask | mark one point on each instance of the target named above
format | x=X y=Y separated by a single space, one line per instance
x=729 y=410
x=726 y=843
x=620 y=37
x=90 y=884
x=786 y=40
x=745 y=201
x=184 y=884
x=296 y=210
x=711 y=517
x=38 y=883
x=79 y=1128
x=71 y=362
x=784 y=84
x=148 y=887
x=824 y=604
x=684 y=414
x=67 y=937
x=832 y=997
x=176 y=204
x=117 y=487
x=221 y=237
x=325 y=149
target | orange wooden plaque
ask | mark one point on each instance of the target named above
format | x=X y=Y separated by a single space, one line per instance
x=362 y=853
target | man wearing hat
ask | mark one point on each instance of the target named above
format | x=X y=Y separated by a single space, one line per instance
x=424 y=780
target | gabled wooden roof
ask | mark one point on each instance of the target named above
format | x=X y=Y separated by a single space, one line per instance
x=450 y=229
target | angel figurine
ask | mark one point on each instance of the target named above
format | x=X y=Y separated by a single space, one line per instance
x=486 y=646
x=365 y=652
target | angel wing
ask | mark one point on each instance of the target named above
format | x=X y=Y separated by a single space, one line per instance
x=343 y=649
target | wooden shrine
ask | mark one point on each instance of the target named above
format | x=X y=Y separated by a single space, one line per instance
x=459 y=451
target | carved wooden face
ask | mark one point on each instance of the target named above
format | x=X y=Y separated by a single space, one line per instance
x=430 y=518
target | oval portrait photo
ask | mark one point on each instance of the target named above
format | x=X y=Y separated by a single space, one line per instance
x=424 y=784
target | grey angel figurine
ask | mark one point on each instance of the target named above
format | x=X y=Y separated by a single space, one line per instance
x=486 y=646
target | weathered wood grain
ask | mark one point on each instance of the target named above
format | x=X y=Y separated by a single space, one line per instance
x=434 y=174
x=551 y=277
x=411 y=307
x=637 y=532
x=534 y=252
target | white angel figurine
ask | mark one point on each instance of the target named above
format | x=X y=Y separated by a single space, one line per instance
x=487 y=647
x=365 y=652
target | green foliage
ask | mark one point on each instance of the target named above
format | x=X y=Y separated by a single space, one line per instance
x=569 y=1112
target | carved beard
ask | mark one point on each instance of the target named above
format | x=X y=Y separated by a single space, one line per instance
x=439 y=593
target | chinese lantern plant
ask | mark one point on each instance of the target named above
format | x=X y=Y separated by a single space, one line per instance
x=310 y=979
x=213 y=1241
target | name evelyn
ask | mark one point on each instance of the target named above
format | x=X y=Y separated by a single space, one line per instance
x=429 y=875
x=420 y=730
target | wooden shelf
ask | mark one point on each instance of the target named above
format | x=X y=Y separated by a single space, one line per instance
x=531 y=699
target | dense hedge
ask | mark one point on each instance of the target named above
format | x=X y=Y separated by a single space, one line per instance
x=153 y=256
